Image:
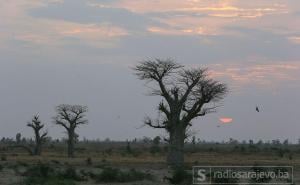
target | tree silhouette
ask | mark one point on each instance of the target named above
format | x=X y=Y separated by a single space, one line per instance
x=186 y=94
x=36 y=125
x=18 y=138
x=70 y=117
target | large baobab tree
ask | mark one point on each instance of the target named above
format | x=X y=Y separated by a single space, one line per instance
x=40 y=138
x=186 y=94
x=70 y=117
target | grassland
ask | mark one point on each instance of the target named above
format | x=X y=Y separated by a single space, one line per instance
x=92 y=159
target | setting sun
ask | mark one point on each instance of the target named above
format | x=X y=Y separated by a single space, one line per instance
x=226 y=120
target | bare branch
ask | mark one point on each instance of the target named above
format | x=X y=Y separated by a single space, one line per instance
x=157 y=70
x=163 y=108
x=191 y=78
x=69 y=116
x=150 y=123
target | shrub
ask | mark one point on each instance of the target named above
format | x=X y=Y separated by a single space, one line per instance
x=89 y=161
x=3 y=157
x=40 y=170
x=55 y=161
x=70 y=173
x=20 y=163
x=108 y=175
x=47 y=181
x=44 y=174
x=180 y=176
x=280 y=152
x=155 y=149
x=116 y=175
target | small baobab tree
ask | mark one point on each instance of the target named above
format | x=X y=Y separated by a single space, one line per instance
x=18 y=138
x=40 y=138
x=186 y=94
x=70 y=117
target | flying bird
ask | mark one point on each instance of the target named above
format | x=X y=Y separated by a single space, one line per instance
x=257 y=110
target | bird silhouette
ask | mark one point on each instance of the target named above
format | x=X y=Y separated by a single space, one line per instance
x=257 y=109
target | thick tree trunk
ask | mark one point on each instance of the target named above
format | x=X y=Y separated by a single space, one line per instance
x=175 y=156
x=71 y=144
x=36 y=150
x=37 y=147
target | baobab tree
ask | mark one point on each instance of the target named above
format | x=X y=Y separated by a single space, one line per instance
x=70 y=117
x=186 y=94
x=40 y=138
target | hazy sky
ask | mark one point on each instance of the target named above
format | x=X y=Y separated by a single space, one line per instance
x=81 y=51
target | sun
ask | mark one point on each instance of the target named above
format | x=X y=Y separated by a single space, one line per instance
x=226 y=120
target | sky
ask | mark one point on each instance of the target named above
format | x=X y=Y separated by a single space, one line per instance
x=82 y=52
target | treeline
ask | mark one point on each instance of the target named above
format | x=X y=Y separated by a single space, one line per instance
x=144 y=140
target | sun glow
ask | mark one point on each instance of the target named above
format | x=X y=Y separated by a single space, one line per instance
x=226 y=120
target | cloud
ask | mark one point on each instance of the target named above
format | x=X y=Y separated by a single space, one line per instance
x=224 y=6
x=28 y=30
x=184 y=29
x=268 y=75
x=181 y=15
x=188 y=31
x=295 y=39
x=170 y=16
x=88 y=12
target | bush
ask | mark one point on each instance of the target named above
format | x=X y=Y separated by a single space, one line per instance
x=155 y=149
x=20 y=163
x=116 y=175
x=55 y=161
x=44 y=174
x=40 y=170
x=3 y=158
x=180 y=176
x=70 y=173
x=47 y=181
x=89 y=161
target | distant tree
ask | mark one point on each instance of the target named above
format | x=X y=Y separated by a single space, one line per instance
x=233 y=141
x=146 y=140
x=186 y=94
x=260 y=142
x=251 y=142
x=276 y=142
x=40 y=138
x=194 y=140
x=155 y=145
x=128 y=147
x=70 y=117
x=156 y=140
x=18 y=138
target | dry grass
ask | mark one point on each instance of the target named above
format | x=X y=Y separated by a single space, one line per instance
x=145 y=161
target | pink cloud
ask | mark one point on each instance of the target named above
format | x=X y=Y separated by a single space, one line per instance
x=263 y=75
